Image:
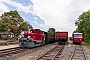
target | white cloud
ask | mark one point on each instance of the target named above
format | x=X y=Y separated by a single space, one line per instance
x=3 y=8
x=18 y=6
x=60 y=14
x=76 y=8
x=54 y=13
x=35 y=18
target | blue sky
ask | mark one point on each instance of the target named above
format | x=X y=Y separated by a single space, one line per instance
x=44 y=14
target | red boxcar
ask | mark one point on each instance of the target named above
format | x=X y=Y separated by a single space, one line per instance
x=77 y=37
x=61 y=37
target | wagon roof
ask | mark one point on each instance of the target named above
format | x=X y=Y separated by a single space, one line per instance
x=77 y=33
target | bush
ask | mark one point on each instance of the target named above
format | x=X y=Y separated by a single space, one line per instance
x=87 y=40
x=5 y=38
x=8 y=38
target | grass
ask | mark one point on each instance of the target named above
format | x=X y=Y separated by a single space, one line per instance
x=86 y=44
x=0 y=40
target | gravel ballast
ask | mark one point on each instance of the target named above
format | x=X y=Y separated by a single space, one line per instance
x=32 y=54
x=29 y=53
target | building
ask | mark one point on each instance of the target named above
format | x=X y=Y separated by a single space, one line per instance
x=6 y=35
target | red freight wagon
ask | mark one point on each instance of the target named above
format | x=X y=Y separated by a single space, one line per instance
x=77 y=37
x=61 y=37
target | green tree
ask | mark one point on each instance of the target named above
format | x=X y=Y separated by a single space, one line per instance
x=83 y=25
x=25 y=26
x=2 y=25
x=51 y=30
x=14 y=22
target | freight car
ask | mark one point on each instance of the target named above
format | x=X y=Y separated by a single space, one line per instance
x=77 y=38
x=61 y=37
x=36 y=37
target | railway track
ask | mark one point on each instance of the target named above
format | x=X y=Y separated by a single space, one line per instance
x=53 y=54
x=10 y=42
x=10 y=51
x=78 y=53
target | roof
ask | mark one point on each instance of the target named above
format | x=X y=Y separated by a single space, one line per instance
x=6 y=33
x=77 y=33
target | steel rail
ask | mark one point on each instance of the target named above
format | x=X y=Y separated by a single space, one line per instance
x=9 y=51
x=46 y=56
x=57 y=53
x=75 y=54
